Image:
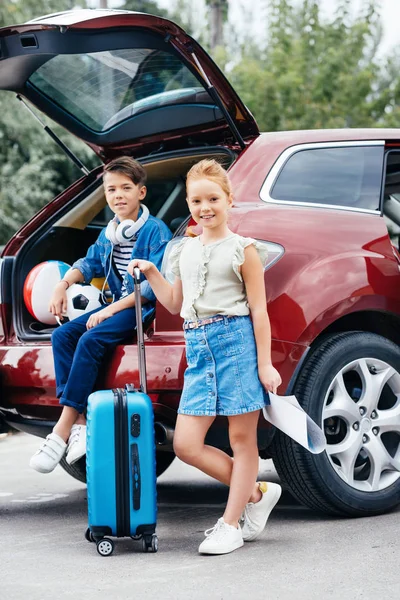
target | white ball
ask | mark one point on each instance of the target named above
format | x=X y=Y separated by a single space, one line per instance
x=82 y=299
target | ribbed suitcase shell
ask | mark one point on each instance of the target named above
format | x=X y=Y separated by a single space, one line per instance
x=121 y=458
x=101 y=466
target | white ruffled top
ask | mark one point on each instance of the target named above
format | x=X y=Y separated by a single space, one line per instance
x=211 y=279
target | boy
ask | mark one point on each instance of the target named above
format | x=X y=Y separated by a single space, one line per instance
x=80 y=345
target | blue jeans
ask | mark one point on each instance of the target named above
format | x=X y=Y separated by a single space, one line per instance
x=78 y=353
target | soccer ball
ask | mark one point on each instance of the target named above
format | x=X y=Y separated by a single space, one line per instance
x=39 y=286
x=81 y=299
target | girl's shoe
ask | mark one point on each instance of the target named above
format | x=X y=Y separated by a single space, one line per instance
x=76 y=444
x=255 y=515
x=221 y=539
x=49 y=454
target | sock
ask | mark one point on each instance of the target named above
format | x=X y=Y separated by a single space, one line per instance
x=263 y=486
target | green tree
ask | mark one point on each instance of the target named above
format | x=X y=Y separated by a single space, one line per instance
x=33 y=169
x=146 y=6
x=315 y=73
x=18 y=11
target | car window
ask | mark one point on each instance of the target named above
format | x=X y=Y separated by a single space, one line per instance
x=341 y=176
x=391 y=196
x=103 y=88
x=157 y=194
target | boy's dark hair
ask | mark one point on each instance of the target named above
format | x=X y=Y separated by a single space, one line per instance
x=129 y=167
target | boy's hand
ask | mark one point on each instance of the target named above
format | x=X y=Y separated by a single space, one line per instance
x=58 y=300
x=99 y=317
x=143 y=265
x=269 y=377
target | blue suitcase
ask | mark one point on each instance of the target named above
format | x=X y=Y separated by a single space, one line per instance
x=120 y=460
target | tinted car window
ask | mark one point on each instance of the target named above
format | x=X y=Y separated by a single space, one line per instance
x=98 y=86
x=157 y=194
x=344 y=176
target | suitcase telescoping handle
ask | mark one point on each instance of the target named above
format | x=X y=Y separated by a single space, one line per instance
x=140 y=334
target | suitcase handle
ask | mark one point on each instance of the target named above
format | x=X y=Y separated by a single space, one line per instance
x=140 y=334
x=136 y=481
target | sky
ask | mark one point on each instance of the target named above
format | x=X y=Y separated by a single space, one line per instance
x=390 y=12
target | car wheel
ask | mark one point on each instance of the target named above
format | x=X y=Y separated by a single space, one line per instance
x=78 y=469
x=350 y=386
x=163 y=460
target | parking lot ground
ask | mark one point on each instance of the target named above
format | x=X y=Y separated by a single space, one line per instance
x=301 y=555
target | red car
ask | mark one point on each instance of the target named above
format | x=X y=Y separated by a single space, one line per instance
x=323 y=201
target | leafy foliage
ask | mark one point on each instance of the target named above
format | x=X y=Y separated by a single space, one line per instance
x=317 y=74
x=33 y=169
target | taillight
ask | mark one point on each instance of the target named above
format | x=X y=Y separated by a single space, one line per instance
x=275 y=252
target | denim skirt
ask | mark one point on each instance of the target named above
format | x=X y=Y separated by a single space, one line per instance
x=222 y=375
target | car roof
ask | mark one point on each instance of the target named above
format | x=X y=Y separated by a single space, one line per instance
x=308 y=136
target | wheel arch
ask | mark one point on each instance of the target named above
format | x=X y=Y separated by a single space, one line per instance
x=370 y=321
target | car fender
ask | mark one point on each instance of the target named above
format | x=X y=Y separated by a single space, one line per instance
x=328 y=289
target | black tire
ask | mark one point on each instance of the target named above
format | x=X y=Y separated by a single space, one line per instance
x=311 y=478
x=78 y=469
x=163 y=461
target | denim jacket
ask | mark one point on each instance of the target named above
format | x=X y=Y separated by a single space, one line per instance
x=151 y=241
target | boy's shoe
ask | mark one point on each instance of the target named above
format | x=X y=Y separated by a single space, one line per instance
x=221 y=539
x=76 y=444
x=255 y=514
x=49 y=454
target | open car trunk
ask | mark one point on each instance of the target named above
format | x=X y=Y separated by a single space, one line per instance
x=77 y=224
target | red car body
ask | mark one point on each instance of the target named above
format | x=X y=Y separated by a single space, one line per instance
x=339 y=273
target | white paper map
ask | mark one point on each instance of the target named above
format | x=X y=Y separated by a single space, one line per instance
x=285 y=413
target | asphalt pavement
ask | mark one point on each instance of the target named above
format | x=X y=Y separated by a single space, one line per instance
x=302 y=555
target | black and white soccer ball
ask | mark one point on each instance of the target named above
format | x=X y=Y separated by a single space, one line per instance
x=81 y=299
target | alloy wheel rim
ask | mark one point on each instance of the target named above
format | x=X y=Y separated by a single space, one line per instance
x=361 y=421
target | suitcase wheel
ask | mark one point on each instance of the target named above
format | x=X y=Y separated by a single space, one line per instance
x=89 y=535
x=150 y=543
x=154 y=543
x=105 y=547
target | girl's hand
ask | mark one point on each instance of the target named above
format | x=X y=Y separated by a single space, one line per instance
x=270 y=378
x=99 y=317
x=58 y=300
x=143 y=265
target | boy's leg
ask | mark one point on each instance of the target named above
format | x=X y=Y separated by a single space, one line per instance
x=89 y=354
x=64 y=341
x=90 y=348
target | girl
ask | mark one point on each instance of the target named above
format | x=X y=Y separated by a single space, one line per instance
x=219 y=283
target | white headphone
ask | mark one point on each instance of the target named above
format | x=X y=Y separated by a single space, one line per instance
x=119 y=233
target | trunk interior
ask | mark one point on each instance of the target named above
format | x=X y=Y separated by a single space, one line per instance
x=76 y=226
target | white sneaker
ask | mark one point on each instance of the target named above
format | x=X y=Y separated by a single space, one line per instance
x=76 y=444
x=49 y=454
x=255 y=514
x=221 y=539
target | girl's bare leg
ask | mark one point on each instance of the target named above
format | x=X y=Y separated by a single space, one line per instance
x=243 y=441
x=190 y=432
